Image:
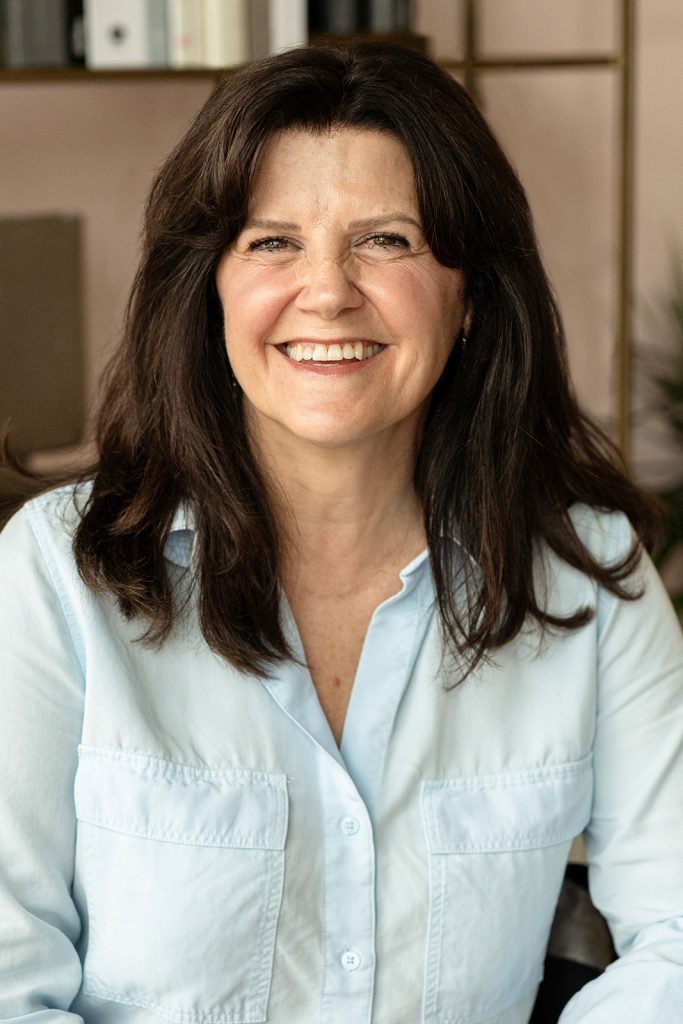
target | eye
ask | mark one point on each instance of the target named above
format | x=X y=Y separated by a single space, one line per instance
x=386 y=240
x=272 y=243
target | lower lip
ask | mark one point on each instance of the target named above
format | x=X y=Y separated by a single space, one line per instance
x=332 y=369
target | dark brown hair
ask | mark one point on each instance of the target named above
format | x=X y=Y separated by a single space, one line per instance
x=505 y=450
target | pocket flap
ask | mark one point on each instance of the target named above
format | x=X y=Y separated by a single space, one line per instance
x=176 y=803
x=513 y=811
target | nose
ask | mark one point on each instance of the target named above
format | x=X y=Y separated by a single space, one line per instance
x=328 y=288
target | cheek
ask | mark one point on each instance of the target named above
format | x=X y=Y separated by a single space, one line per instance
x=418 y=293
x=251 y=304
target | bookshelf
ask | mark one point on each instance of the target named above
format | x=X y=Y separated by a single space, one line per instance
x=82 y=74
x=470 y=68
x=621 y=63
x=85 y=75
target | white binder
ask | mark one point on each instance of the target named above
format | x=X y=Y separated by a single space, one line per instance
x=125 y=33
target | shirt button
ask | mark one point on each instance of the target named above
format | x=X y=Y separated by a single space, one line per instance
x=350 y=826
x=350 y=960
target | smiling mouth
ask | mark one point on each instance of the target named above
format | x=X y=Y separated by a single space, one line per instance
x=356 y=351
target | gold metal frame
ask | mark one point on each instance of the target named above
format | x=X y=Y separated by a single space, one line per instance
x=622 y=62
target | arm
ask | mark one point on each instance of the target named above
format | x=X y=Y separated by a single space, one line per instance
x=634 y=841
x=41 y=698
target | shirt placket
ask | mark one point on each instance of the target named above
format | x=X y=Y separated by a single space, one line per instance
x=349 y=909
x=349 y=791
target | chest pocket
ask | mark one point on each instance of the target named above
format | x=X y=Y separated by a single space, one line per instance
x=497 y=846
x=181 y=871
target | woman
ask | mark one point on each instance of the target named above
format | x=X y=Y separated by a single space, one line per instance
x=308 y=689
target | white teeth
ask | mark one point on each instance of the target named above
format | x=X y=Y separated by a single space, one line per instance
x=357 y=350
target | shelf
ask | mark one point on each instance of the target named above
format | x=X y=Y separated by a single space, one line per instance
x=522 y=63
x=81 y=74
x=530 y=63
x=110 y=74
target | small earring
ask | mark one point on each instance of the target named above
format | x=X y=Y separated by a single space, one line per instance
x=465 y=329
x=233 y=379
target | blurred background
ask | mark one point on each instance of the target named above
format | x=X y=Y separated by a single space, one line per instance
x=79 y=147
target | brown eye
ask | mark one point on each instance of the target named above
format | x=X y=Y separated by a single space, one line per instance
x=389 y=240
x=270 y=244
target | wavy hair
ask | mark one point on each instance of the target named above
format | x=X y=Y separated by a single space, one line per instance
x=505 y=450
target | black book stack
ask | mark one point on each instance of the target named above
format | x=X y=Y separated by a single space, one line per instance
x=41 y=33
x=349 y=17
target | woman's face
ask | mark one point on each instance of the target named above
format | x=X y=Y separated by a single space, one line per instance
x=332 y=263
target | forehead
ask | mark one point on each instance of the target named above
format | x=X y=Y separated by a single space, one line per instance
x=304 y=167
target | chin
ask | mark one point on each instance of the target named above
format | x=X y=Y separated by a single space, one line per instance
x=331 y=436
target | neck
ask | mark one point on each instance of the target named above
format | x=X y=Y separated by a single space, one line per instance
x=343 y=512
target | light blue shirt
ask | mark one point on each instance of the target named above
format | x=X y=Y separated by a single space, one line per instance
x=181 y=842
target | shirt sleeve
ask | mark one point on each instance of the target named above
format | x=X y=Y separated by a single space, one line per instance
x=41 y=707
x=634 y=841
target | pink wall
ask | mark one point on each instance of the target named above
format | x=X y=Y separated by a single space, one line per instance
x=93 y=148
x=559 y=127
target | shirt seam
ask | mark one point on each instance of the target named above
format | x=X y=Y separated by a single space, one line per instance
x=40 y=536
x=241 y=776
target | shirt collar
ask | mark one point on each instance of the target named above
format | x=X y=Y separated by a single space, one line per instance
x=179 y=546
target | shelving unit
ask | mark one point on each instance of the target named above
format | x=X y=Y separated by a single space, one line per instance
x=622 y=63
x=86 y=75
x=471 y=67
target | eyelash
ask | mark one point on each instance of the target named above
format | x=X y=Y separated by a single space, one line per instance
x=260 y=243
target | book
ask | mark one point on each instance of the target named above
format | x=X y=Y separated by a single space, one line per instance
x=389 y=16
x=225 y=32
x=125 y=33
x=75 y=32
x=287 y=24
x=337 y=17
x=34 y=33
x=258 y=29
x=185 y=23
x=42 y=377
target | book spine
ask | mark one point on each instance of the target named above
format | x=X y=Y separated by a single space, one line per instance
x=389 y=16
x=36 y=33
x=287 y=24
x=258 y=29
x=185 y=33
x=75 y=33
x=124 y=34
x=225 y=33
x=157 y=34
x=3 y=33
x=338 y=17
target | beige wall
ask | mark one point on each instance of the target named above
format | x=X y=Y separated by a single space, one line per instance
x=560 y=129
x=92 y=149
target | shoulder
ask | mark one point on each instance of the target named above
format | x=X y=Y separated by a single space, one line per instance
x=41 y=594
x=42 y=531
x=59 y=508
x=607 y=536
x=612 y=541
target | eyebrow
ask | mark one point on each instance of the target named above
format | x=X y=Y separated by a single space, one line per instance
x=367 y=222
